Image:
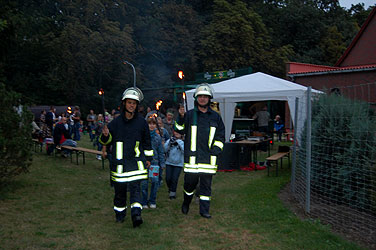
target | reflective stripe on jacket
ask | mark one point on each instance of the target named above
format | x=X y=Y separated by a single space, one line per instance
x=131 y=146
x=204 y=140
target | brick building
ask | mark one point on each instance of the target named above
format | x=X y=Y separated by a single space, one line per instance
x=354 y=74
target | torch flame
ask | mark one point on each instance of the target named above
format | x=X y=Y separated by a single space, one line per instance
x=153 y=115
x=158 y=104
x=184 y=95
x=180 y=74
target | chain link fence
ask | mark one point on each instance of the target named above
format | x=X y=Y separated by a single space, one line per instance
x=334 y=159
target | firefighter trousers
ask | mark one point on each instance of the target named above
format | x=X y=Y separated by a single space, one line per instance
x=190 y=183
x=120 y=199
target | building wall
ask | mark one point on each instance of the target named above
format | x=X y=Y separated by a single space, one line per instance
x=364 y=50
x=358 y=85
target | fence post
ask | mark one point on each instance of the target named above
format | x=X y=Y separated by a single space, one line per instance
x=308 y=150
x=293 y=167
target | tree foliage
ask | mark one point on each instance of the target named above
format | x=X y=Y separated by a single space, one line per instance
x=236 y=37
x=61 y=52
x=15 y=135
x=332 y=45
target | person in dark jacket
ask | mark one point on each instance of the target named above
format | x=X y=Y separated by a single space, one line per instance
x=50 y=118
x=62 y=136
x=204 y=140
x=129 y=137
x=278 y=127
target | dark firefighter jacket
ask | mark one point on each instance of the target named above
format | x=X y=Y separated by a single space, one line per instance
x=131 y=146
x=204 y=140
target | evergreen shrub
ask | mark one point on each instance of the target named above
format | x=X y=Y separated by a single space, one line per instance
x=15 y=135
x=343 y=168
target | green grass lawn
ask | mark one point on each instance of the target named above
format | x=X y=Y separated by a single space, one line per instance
x=59 y=204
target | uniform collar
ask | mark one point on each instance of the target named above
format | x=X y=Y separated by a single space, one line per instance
x=209 y=110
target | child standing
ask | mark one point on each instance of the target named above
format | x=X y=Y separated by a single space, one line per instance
x=157 y=162
x=98 y=126
x=278 y=127
x=174 y=149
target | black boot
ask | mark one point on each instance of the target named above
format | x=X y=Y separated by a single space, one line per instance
x=184 y=208
x=206 y=215
x=120 y=216
x=186 y=202
x=137 y=220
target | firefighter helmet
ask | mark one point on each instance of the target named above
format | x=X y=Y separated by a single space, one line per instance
x=203 y=89
x=133 y=93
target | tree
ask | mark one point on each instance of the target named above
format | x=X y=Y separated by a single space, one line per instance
x=360 y=14
x=167 y=36
x=65 y=51
x=15 y=135
x=236 y=38
x=332 y=46
x=304 y=26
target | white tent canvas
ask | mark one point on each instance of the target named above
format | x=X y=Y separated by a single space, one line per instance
x=255 y=87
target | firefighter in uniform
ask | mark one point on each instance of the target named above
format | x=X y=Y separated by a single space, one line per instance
x=204 y=140
x=132 y=152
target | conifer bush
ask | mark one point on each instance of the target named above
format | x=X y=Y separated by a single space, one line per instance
x=343 y=152
x=15 y=135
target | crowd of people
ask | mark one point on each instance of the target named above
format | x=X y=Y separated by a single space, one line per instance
x=144 y=145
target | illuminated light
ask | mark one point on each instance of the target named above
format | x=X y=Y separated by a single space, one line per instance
x=181 y=74
x=158 y=104
x=184 y=95
x=101 y=92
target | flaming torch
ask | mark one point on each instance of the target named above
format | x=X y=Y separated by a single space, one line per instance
x=181 y=76
x=157 y=107
x=185 y=102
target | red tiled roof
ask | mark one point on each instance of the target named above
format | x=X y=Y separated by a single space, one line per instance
x=302 y=68
x=296 y=67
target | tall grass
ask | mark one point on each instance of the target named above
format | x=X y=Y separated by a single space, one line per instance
x=63 y=205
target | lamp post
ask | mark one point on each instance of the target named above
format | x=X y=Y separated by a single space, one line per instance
x=134 y=72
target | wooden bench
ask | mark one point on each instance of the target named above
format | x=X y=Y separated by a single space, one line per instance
x=39 y=144
x=82 y=151
x=283 y=151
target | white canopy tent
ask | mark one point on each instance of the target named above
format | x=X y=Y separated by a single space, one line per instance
x=255 y=87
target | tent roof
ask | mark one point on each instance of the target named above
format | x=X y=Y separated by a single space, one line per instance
x=253 y=87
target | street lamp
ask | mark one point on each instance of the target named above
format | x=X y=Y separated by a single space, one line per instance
x=134 y=72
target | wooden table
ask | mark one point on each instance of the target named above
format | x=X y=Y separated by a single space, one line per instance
x=253 y=145
x=288 y=135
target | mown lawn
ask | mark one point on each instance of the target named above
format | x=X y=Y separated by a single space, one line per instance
x=62 y=205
